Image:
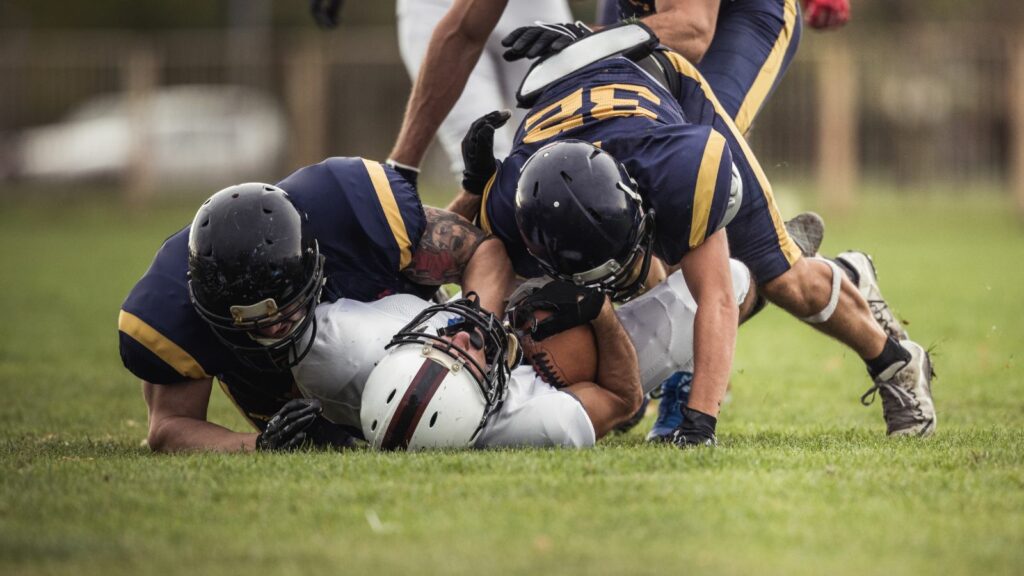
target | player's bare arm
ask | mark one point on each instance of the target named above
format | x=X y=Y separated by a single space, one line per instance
x=452 y=250
x=686 y=26
x=177 y=420
x=466 y=205
x=617 y=394
x=454 y=50
x=706 y=271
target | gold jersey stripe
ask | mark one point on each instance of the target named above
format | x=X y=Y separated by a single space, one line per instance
x=387 y=201
x=159 y=345
x=703 y=195
x=769 y=71
x=485 y=222
x=789 y=248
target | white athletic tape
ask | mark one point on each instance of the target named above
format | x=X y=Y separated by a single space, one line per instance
x=833 y=299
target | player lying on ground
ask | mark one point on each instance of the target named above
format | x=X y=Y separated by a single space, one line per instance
x=673 y=177
x=232 y=295
x=537 y=412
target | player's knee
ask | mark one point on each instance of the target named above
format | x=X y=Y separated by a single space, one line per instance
x=803 y=290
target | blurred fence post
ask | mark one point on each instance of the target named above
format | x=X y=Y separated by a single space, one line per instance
x=837 y=124
x=140 y=73
x=1015 y=98
x=306 y=85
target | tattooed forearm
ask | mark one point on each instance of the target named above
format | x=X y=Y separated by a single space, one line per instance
x=448 y=243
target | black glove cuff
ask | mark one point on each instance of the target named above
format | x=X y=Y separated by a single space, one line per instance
x=474 y=183
x=698 y=424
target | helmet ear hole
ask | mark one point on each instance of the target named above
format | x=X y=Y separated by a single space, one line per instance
x=433 y=419
x=391 y=396
x=374 y=425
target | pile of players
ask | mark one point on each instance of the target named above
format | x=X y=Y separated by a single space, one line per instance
x=628 y=200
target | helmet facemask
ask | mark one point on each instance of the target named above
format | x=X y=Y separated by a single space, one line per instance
x=240 y=332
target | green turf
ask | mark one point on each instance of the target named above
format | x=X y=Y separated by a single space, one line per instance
x=804 y=481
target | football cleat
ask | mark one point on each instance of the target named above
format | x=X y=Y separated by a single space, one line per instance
x=674 y=394
x=906 y=391
x=806 y=229
x=863 y=269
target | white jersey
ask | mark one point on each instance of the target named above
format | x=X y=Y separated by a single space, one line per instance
x=492 y=83
x=351 y=336
x=350 y=341
x=660 y=324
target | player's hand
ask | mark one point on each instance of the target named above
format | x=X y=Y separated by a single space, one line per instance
x=410 y=173
x=570 y=306
x=287 y=429
x=326 y=12
x=323 y=433
x=697 y=429
x=826 y=14
x=542 y=40
x=478 y=151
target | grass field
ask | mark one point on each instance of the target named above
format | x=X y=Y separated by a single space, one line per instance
x=804 y=482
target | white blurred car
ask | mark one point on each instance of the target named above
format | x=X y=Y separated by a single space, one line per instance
x=187 y=132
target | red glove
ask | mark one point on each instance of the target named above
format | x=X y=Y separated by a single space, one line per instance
x=826 y=14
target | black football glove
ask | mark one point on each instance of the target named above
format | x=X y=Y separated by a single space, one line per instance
x=542 y=40
x=326 y=12
x=287 y=429
x=410 y=173
x=323 y=433
x=697 y=429
x=570 y=306
x=478 y=151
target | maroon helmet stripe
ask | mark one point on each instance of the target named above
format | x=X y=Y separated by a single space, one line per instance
x=413 y=404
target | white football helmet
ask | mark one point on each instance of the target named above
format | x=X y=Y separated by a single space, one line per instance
x=429 y=393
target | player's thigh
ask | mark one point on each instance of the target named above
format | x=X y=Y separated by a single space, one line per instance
x=758 y=239
x=753 y=45
x=660 y=325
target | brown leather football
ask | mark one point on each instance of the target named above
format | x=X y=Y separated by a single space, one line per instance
x=565 y=358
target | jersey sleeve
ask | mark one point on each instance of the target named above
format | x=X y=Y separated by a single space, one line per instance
x=367 y=219
x=498 y=215
x=162 y=339
x=400 y=220
x=684 y=172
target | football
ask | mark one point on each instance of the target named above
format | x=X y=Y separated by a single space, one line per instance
x=565 y=358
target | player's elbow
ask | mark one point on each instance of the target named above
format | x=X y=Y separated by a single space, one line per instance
x=161 y=436
x=635 y=400
x=688 y=33
x=630 y=399
x=158 y=440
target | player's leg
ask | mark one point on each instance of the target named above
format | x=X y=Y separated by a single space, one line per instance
x=753 y=45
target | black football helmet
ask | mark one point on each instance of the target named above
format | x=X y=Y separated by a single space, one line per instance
x=253 y=263
x=581 y=217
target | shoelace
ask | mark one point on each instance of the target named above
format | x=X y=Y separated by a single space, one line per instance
x=897 y=391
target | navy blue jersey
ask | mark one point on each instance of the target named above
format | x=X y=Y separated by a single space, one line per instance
x=367 y=220
x=683 y=170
